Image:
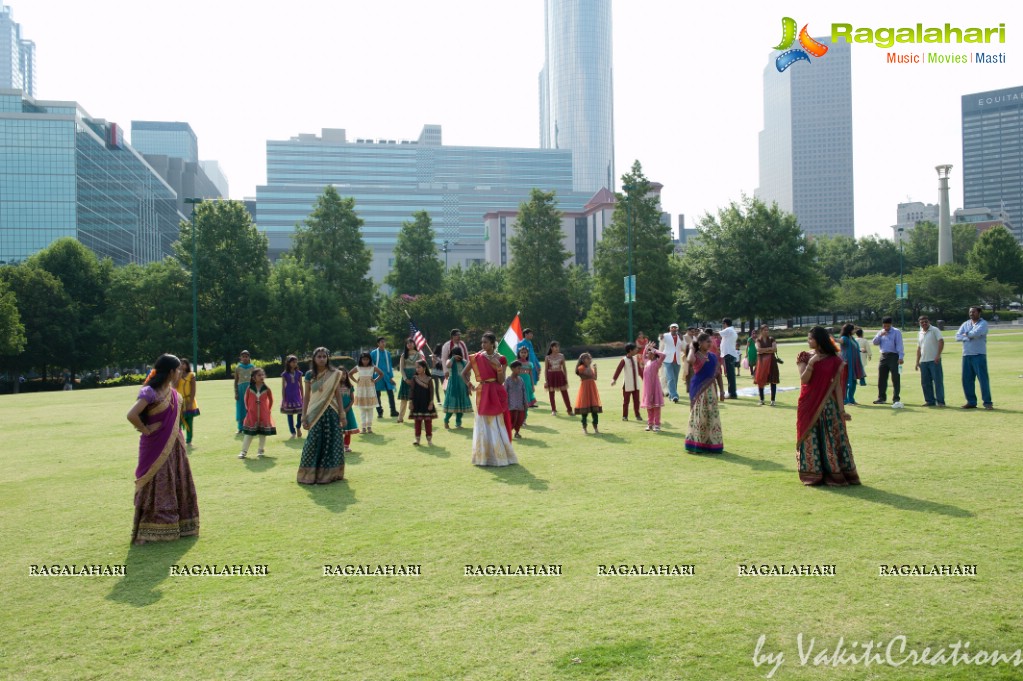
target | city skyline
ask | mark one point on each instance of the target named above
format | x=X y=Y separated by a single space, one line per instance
x=686 y=105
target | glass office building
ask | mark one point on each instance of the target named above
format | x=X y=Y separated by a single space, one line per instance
x=165 y=138
x=576 y=89
x=64 y=173
x=806 y=157
x=392 y=179
x=17 y=55
x=993 y=152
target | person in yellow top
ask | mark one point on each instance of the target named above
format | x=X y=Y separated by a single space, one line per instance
x=189 y=407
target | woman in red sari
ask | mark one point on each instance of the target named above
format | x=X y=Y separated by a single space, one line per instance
x=491 y=432
x=823 y=452
x=166 y=507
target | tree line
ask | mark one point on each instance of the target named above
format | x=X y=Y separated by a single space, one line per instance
x=65 y=308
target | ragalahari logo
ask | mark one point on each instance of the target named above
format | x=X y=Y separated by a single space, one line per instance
x=809 y=45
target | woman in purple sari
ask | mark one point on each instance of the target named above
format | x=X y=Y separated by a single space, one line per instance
x=704 y=434
x=166 y=507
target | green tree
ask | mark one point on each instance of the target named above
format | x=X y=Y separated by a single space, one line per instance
x=466 y=282
x=85 y=279
x=305 y=313
x=948 y=291
x=142 y=330
x=435 y=315
x=874 y=256
x=416 y=269
x=651 y=263
x=12 y=331
x=921 y=244
x=232 y=275
x=539 y=256
x=751 y=261
x=868 y=297
x=330 y=242
x=46 y=312
x=836 y=255
x=998 y=256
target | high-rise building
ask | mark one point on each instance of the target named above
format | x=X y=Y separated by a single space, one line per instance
x=171 y=149
x=993 y=152
x=17 y=56
x=806 y=157
x=216 y=175
x=165 y=138
x=576 y=93
x=65 y=173
x=392 y=179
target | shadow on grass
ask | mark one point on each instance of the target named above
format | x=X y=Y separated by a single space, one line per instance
x=538 y=429
x=608 y=437
x=900 y=501
x=294 y=444
x=257 y=465
x=434 y=450
x=145 y=568
x=754 y=464
x=335 y=496
x=531 y=443
x=518 y=475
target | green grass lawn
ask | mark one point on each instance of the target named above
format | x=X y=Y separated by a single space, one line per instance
x=940 y=486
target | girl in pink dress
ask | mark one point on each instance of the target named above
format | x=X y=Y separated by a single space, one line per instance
x=652 y=399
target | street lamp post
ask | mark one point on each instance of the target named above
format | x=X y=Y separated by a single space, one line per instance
x=902 y=285
x=445 y=249
x=195 y=288
x=628 y=222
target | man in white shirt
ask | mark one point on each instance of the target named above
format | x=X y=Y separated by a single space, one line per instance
x=730 y=351
x=445 y=351
x=928 y=363
x=673 y=347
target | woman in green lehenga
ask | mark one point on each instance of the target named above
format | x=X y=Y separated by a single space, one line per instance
x=407 y=370
x=323 y=456
x=823 y=452
x=456 y=395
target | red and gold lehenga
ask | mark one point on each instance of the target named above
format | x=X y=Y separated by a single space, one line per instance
x=491 y=433
x=823 y=452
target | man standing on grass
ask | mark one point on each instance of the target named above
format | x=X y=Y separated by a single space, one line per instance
x=973 y=335
x=890 y=341
x=454 y=341
x=673 y=347
x=929 y=347
x=730 y=351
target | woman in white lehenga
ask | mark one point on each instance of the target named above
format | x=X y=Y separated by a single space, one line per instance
x=491 y=433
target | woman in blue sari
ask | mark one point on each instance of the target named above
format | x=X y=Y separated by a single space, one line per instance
x=853 y=370
x=704 y=434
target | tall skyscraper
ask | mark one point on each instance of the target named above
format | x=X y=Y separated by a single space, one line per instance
x=65 y=173
x=576 y=93
x=806 y=157
x=993 y=152
x=17 y=56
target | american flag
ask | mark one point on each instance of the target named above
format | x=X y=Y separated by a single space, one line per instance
x=417 y=335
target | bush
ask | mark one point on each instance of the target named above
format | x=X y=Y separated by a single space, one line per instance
x=124 y=379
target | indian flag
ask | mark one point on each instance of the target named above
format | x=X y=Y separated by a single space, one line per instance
x=511 y=339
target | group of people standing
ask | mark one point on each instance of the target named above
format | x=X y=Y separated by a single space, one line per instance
x=930 y=346
x=322 y=401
